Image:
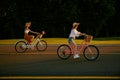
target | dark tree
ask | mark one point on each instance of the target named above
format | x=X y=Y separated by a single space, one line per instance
x=97 y=17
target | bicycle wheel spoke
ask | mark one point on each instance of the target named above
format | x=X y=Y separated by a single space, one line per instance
x=41 y=45
x=91 y=52
x=20 y=46
x=64 y=52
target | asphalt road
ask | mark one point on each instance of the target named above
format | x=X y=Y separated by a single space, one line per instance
x=47 y=63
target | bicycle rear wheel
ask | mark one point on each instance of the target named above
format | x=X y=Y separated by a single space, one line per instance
x=91 y=53
x=41 y=45
x=64 y=52
x=21 y=46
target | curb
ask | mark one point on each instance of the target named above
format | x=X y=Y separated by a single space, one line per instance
x=105 y=45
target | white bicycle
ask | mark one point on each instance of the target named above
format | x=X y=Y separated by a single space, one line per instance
x=22 y=45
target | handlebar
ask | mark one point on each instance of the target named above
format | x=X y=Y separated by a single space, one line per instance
x=39 y=35
x=88 y=38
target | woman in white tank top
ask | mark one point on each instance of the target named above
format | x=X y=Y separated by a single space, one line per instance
x=28 y=37
x=73 y=34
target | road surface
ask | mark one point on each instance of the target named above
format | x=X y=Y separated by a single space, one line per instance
x=47 y=63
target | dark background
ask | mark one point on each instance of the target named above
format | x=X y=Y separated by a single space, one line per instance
x=100 y=18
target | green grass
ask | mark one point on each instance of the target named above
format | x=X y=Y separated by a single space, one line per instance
x=107 y=38
x=65 y=41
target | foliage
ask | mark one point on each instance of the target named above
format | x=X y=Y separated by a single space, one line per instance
x=97 y=17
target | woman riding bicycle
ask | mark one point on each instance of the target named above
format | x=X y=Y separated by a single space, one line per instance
x=73 y=34
x=28 y=37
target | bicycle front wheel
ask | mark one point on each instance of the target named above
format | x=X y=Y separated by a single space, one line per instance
x=91 y=53
x=64 y=51
x=41 y=45
x=21 y=46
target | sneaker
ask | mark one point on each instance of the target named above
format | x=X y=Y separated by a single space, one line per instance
x=76 y=56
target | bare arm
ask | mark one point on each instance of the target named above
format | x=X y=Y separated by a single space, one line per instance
x=82 y=34
x=34 y=32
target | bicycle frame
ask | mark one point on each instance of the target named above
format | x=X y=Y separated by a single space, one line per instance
x=38 y=43
x=38 y=37
x=90 y=52
x=80 y=48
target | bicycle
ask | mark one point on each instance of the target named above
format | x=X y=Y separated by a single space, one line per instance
x=90 y=52
x=22 y=45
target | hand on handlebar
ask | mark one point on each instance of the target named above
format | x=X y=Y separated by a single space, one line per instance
x=37 y=33
x=43 y=32
x=83 y=34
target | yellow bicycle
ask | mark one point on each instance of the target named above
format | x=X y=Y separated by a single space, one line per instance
x=22 y=45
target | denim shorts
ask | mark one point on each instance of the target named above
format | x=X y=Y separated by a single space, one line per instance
x=70 y=39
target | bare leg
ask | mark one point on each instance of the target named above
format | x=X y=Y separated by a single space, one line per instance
x=31 y=38
x=74 y=48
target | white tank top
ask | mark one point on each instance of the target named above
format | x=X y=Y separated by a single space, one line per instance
x=74 y=33
x=27 y=31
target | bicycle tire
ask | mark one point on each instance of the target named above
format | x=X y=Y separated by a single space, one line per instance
x=21 y=46
x=91 y=52
x=41 y=45
x=64 y=52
